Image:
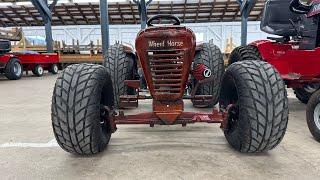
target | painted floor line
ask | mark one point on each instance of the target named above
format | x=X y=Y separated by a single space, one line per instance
x=52 y=143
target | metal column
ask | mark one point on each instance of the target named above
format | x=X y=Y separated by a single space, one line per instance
x=48 y=28
x=246 y=7
x=142 y=6
x=45 y=11
x=104 y=16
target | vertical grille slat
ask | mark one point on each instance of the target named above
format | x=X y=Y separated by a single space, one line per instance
x=166 y=71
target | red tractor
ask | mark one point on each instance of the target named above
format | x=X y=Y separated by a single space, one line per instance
x=89 y=101
x=295 y=54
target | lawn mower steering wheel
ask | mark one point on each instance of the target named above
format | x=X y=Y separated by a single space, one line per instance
x=164 y=16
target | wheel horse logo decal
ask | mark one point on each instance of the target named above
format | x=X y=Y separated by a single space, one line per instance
x=207 y=73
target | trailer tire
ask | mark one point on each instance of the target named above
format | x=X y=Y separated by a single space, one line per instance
x=211 y=56
x=80 y=94
x=258 y=116
x=54 y=69
x=38 y=71
x=121 y=66
x=313 y=115
x=243 y=53
x=13 y=69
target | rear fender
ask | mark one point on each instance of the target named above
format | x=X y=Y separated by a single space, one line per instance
x=265 y=48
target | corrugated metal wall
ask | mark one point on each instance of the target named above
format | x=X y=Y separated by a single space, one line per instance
x=219 y=32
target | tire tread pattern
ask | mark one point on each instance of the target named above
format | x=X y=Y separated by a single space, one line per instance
x=120 y=67
x=263 y=113
x=212 y=57
x=244 y=53
x=76 y=109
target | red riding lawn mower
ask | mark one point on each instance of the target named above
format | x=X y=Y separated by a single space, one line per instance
x=89 y=101
x=295 y=54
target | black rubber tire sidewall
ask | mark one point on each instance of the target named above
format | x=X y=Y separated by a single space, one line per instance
x=211 y=56
x=76 y=101
x=263 y=106
x=9 y=72
x=313 y=102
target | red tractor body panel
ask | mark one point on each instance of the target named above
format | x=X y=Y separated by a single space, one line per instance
x=294 y=65
x=166 y=54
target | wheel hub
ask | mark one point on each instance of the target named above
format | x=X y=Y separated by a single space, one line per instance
x=40 y=70
x=55 y=68
x=17 y=69
x=233 y=116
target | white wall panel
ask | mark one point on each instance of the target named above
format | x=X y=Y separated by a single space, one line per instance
x=219 y=32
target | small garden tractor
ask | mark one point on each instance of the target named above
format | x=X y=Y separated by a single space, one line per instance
x=89 y=101
x=295 y=53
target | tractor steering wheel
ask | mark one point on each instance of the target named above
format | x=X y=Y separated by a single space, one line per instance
x=164 y=16
x=297 y=7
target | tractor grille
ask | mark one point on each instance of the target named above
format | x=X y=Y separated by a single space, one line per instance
x=166 y=70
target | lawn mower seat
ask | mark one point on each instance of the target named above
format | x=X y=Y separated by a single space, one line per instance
x=276 y=18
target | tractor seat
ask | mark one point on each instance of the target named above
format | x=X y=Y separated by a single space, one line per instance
x=276 y=18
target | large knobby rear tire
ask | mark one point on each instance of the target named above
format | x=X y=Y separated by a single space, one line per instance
x=313 y=115
x=244 y=53
x=258 y=118
x=211 y=56
x=80 y=93
x=13 y=69
x=121 y=66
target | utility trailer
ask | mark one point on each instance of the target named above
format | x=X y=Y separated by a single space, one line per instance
x=12 y=64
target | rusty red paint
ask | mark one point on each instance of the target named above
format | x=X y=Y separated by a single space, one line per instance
x=166 y=55
x=184 y=118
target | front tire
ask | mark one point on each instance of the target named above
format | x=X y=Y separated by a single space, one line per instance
x=258 y=115
x=210 y=56
x=80 y=93
x=313 y=115
x=13 y=69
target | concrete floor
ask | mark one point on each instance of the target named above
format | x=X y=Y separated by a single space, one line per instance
x=139 y=152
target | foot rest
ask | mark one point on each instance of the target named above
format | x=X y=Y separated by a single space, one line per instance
x=128 y=101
